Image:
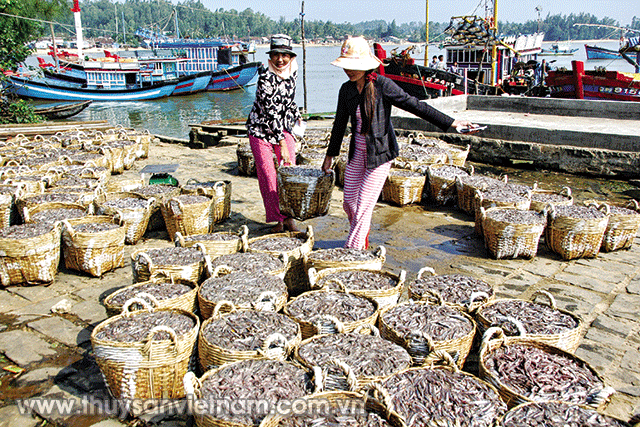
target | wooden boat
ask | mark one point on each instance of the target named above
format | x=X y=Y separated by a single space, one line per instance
x=597 y=52
x=558 y=50
x=61 y=111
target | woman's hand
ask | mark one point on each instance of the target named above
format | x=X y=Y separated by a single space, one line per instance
x=465 y=124
x=326 y=164
x=284 y=153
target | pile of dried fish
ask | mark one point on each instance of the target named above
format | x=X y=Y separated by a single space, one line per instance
x=422 y=154
x=241 y=289
x=25 y=231
x=77 y=182
x=250 y=262
x=440 y=322
x=127 y=203
x=448 y=172
x=94 y=227
x=247 y=330
x=425 y=397
x=194 y=186
x=347 y=308
x=578 y=212
x=187 y=199
x=341 y=254
x=160 y=291
x=453 y=288
x=154 y=190
x=55 y=215
x=276 y=244
x=536 y=318
x=541 y=375
x=136 y=327
x=57 y=197
x=552 y=198
x=351 y=416
x=172 y=256
x=516 y=216
x=405 y=173
x=619 y=210
x=219 y=236
x=557 y=414
x=502 y=194
x=312 y=171
x=357 y=280
x=252 y=381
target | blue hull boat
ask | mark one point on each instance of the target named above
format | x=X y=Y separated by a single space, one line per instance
x=596 y=52
x=192 y=84
x=234 y=77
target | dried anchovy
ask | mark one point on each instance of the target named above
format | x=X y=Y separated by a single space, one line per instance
x=453 y=288
x=501 y=193
x=341 y=254
x=54 y=215
x=516 y=216
x=222 y=236
x=80 y=170
x=172 y=256
x=479 y=181
x=250 y=262
x=86 y=156
x=51 y=197
x=423 y=396
x=578 y=212
x=549 y=197
x=448 y=172
x=428 y=141
x=153 y=190
x=313 y=154
x=136 y=327
x=421 y=153
x=536 y=318
x=127 y=203
x=77 y=182
x=345 y=307
x=302 y=170
x=440 y=322
x=95 y=227
x=367 y=355
x=30 y=178
x=253 y=381
x=358 y=280
x=241 y=288
x=276 y=244
x=406 y=173
x=189 y=199
x=540 y=375
x=557 y=414
x=246 y=330
x=161 y=291
x=344 y=415
x=8 y=189
x=194 y=187
x=25 y=231
x=619 y=210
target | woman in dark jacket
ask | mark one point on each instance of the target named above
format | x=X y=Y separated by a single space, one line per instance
x=366 y=99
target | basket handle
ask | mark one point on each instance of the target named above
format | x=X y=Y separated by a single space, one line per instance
x=284 y=257
x=192 y=181
x=427 y=270
x=146 y=258
x=310 y=234
x=327 y=321
x=69 y=228
x=192 y=385
x=633 y=205
x=518 y=324
x=208 y=268
x=476 y=299
x=380 y=252
x=161 y=275
x=275 y=346
x=126 y=307
x=402 y=277
x=483 y=213
x=313 y=276
x=265 y=302
x=221 y=270
x=566 y=191
x=243 y=232
x=341 y=285
x=381 y=394
x=551 y=301
x=179 y=240
x=436 y=295
x=25 y=214
x=595 y=399
x=200 y=247
x=350 y=376
x=224 y=303
x=318 y=379
x=180 y=206
x=150 y=202
x=372 y=329
x=491 y=333
x=148 y=341
x=419 y=344
x=444 y=358
x=149 y=297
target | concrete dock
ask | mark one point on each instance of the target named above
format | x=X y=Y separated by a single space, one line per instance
x=47 y=353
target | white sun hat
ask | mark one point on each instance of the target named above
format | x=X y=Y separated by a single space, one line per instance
x=356 y=55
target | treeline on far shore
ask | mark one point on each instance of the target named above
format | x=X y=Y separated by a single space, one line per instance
x=120 y=20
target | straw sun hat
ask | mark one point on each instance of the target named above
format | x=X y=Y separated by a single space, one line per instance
x=356 y=55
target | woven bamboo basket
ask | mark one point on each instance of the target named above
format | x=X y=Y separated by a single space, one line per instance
x=134 y=219
x=185 y=302
x=89 y=170
x=29 y=212
x=329 y=323
x=220 y=191
x=121 y=184
x=8 y=206
x=30 y=186
x=93 y=253
x=506 y=239
x=116 y=157
x=266 y=301
x=96 y=158
x=296 y=277
x=83 y=196
x=466 y=187
x=622 y=227
x=163 y=193
x=403 y=190
x=147 y=369
x=276 y=346
x=420 y=345
x=442 y=190
x=142 y=271
x=383 y=297
x=188 y=218
x=517 y=415
x=473 y=300
x=339 y=167
x=416 y=156
x=222 y=262
x=304 y=192
x=489 y=200
x=567 y=341
x=538 y=196
x=310 y=156
x=494 y=339
x=338 y=374
x=575 y=237
x=216 y=247
x=340 y=404
x=30 y=261
x=457 y=156
x=375 y=263
x=246 y=161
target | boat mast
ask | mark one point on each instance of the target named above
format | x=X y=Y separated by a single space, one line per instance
x=426 y=26
x=76 y=18
x=304 y=58
x=494 y=48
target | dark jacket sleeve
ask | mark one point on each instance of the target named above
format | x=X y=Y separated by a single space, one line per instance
x=339 y=124
x=413 y=105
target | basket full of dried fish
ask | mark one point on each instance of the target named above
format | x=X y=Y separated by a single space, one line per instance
x=118 y=184
x=145 y=354
x=252 y=262
x=320 y=312
x=7 y=204
x=541 y=198
x=295 y=245
x=576 y=231
x=510 y=232
x=384 y=287
x=54 y=212
x=93 y=244
x=346 y=258
x=246 y=161
x=219 y=191
x=181 y=263
x=310 y=156
x=339 y=166
x=160 y=193
x=526 y=371
x=557 y=414
x=419 y=155
x=424 y=328
x=245 y=334
x=622 y=227
x=441 y=180
x=466 y=187
x=304 y=191
x=30 y=253
x=218 y=243
x=163 y=290
x=403 y=186
x=440 y=396
x=351 y=361
x=253 y=380
x=134 y=210
x=539 y=321
x=188 y=214
x=501 y=196
x=257 y=291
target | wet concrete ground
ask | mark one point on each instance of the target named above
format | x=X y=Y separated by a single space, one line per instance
x=48 y=354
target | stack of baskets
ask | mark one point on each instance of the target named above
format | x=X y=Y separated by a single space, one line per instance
x=304 y=192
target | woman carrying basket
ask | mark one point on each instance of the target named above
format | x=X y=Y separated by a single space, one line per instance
x=269 y=125
x=367 y=99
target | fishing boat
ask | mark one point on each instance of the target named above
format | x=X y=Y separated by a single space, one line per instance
x=61 y=111
x=597 y=52
x=557 y=49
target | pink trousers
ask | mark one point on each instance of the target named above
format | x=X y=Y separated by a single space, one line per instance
x=263 y=152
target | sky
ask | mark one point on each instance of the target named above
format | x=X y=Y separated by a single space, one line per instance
x=402 y=11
